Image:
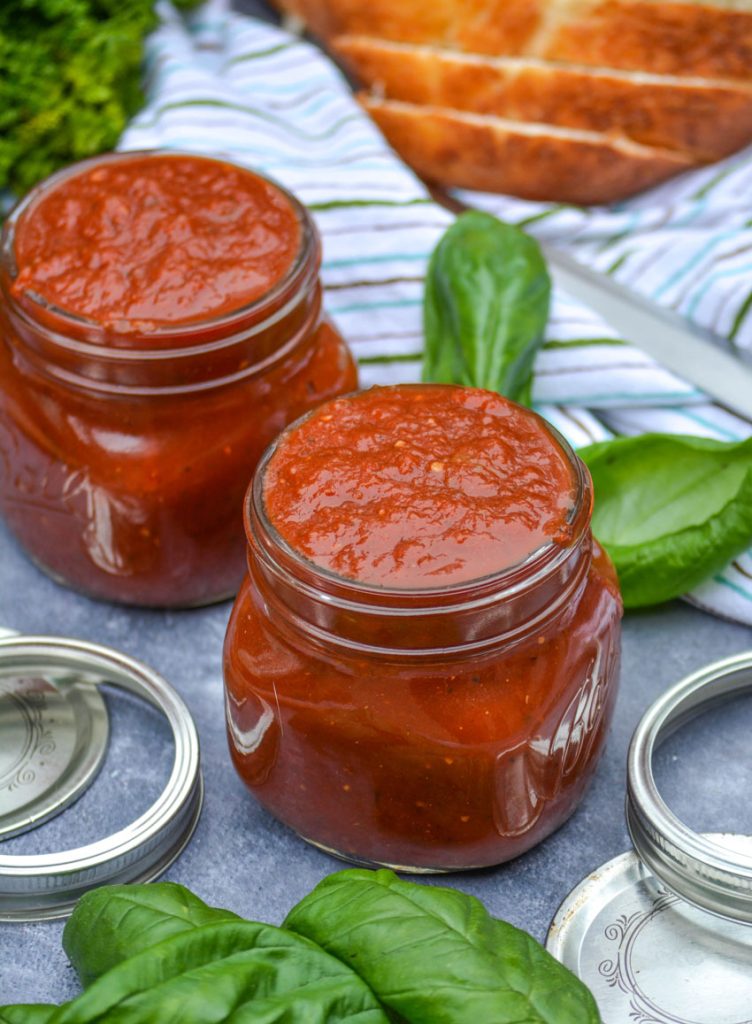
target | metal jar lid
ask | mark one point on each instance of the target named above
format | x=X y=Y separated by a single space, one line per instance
x=35 y=887
x=53 y=738
x=662 y=935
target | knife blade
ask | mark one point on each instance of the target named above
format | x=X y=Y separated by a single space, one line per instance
x=690 y=352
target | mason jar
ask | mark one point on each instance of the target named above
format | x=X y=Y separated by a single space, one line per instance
x=142 y=375
x=391 y=705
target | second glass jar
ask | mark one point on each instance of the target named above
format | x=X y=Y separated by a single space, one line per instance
x=427 y=729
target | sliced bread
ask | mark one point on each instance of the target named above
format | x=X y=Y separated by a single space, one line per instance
x=677 y=37
x=706 y=118
x=670 y=38
x=534 y=161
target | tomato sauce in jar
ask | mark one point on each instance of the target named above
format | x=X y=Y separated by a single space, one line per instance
x=422 y=662
x=160 y=323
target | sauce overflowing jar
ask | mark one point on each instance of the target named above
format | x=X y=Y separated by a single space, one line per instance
x=422 y=662
x=160 y=323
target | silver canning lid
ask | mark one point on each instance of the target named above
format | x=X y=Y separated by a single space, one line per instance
x=637 y=931
x=650 y=957
x=697 y=868
x=53 y=738
x=47 y=885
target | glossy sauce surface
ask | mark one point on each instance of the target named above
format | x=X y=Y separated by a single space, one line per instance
x=156 y=239
x=412 y=486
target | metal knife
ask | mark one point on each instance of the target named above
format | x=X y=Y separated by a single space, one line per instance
x=686 y=350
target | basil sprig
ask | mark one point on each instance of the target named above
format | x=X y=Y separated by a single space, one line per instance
x=671 y=510
x=436 y=956
x=229 y=970
x=363 y=946
x=127 y=919
x=486 y=307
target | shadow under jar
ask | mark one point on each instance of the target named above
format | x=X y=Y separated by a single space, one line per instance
x=422 y=663
x=160 y=324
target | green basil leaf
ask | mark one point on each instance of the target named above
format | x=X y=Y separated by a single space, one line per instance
x=233 y=971
x=27 y=1013
x=435 y=956
x=486 y=306
x=670 y=510
x=114 y=922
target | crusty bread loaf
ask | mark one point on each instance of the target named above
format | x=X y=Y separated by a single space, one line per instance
x=663 y=36
x=582 y=101
x=534 y=161
x=705 y=118
x=667 y=38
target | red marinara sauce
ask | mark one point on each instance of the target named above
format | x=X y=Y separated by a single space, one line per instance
x=422 y=663
x=151 y=240
x=410 y=487
x=160 y=323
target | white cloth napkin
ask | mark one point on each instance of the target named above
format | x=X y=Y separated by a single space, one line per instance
x=230 y=84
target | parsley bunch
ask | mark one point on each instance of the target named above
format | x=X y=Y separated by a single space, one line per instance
x=70 y=78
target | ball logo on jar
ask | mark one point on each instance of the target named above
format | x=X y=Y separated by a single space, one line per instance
x=535 y=773
x=38 y=489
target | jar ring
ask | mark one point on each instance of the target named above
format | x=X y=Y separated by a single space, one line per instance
x=706 y=874
x=37 y=887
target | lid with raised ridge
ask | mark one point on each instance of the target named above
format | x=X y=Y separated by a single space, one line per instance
x=53 y=736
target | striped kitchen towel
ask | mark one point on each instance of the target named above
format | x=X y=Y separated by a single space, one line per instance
x=230 y=84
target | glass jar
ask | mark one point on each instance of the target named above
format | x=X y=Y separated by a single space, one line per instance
x=429 y=729
x=124 y=459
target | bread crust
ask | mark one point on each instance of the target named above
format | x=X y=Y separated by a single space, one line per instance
x=580 y=101
x=407 y=20
x=534 y=162
x=705 y=118
x=463 y=24
x=667 y=37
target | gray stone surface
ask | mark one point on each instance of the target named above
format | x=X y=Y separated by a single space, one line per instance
x=242 y=858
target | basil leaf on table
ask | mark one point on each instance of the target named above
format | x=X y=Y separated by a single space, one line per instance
x=27 y=1013
x=363 y=947
x=486 y=306
x=235 y=971
x=112 y=923
x=670 y=510
x=436 y=956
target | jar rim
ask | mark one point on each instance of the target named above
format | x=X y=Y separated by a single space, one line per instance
x=229 y=324
x=347 y=592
